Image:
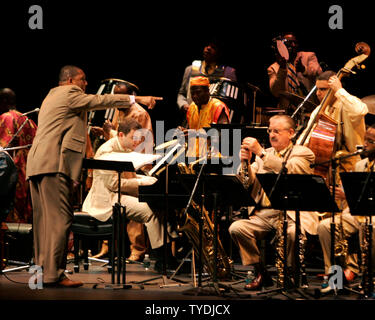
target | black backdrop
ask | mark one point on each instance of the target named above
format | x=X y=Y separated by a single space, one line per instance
x=151 y=43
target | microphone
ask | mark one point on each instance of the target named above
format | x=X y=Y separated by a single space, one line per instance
x=368 y=152
x=360 y=151
x=252 y=87
x=35 y=110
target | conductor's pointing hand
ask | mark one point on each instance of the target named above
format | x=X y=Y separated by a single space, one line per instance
x=148 y=101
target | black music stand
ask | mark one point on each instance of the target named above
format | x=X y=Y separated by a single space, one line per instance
x=119 y=219
x=168 y=199
x=243 y=131
x=295 y=192
x=360 y=194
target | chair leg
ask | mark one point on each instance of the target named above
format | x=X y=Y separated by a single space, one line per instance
x=109 y=266
x=76 y=253
x=85 y=255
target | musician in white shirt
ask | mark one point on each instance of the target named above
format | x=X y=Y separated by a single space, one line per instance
x=103 y=193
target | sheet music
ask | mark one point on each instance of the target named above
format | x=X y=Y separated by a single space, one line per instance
x=138 y=159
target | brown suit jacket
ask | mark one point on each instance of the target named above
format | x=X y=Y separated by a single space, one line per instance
x=60 y=142
x=278 y=81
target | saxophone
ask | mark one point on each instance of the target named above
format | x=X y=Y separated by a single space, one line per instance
x=280 y=252
x=341 y=244
x=366 y=279
x=341 y=248
x=190 y=227
x=244 y=174
x=302 y=245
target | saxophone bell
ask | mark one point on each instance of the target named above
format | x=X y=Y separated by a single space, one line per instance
x=189 y=224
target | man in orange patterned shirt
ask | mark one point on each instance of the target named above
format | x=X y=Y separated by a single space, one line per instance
x=202 y=112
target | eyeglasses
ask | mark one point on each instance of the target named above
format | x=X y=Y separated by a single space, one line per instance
x=275 y=131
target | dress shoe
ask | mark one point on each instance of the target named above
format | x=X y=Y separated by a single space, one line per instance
x=67 y=283
x=261 y=280
x=136 y=257
x=349 y=276
x=64 y=283
x=70 y=256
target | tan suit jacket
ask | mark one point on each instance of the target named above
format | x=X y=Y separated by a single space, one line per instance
x=60 y=142
x=298 y=163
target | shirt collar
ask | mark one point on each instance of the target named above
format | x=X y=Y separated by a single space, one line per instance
x=120 y=146
x=282 y=153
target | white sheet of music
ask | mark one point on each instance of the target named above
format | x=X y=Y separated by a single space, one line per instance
x=138 y=159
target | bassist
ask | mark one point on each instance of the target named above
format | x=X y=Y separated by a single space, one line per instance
x=346 y=110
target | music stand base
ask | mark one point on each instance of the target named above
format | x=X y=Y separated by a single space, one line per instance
x=210 y=289
x=286 y=291
x=116 y=286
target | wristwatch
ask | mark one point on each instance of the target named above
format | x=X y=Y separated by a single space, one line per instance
x=262 y=154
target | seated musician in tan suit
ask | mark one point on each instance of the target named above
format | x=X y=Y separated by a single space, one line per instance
x=103 y=193
x=54 y=166
x=349 y=112
x=246 y=232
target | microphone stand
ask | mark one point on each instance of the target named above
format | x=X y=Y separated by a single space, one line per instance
x=301 y=106
x=17 y=148
x=200 y=231
x=282 y=171
x=16 y=134
x=303 y=102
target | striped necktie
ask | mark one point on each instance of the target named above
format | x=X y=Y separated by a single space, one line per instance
x=293 y=82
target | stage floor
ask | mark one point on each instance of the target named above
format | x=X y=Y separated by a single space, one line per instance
x=98 y=287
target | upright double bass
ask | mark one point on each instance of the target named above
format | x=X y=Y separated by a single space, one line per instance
x=323 y=128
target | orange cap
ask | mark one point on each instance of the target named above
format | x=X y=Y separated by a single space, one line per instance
x=199 y=81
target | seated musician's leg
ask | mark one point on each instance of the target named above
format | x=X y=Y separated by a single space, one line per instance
x=291 y=238
x=350 y=260
x=141 y=212
x=137 y=240
x=324 y=233
x=245 y=234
